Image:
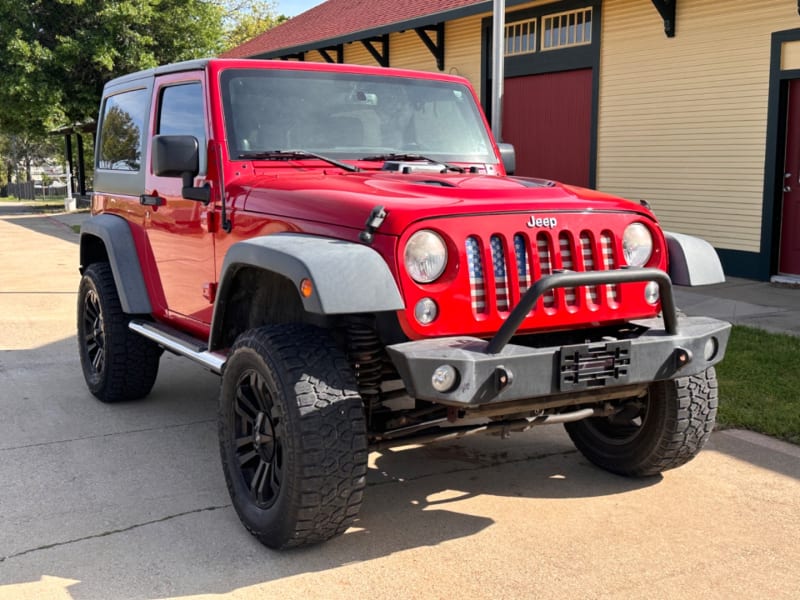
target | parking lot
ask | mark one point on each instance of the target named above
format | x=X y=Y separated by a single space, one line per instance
x=128 y=501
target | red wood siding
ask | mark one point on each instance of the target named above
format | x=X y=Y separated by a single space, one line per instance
x=548 y=118
x=790 y=217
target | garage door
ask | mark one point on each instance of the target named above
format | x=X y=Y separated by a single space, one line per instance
x=548 y=119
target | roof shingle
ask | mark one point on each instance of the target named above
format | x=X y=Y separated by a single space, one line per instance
x=337 y=18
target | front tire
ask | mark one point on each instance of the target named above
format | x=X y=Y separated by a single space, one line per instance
x=665 y=430
x=292 y=435
x=117 y=363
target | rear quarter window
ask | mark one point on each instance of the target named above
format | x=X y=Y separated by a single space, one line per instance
x=121 y=130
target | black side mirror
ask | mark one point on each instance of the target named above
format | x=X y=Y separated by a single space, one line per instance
x=508 y=156
x=179 y=156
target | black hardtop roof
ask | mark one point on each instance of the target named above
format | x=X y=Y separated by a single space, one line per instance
x=143 y=78
x=187 y=65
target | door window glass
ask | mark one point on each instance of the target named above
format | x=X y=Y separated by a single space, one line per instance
x=181 y=113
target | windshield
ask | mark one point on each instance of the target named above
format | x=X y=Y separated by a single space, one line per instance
x=351 y=116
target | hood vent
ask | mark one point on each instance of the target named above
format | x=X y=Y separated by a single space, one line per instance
x=435 y=182
x=406 y=167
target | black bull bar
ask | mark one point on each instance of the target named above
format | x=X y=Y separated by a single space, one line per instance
x=568 y=279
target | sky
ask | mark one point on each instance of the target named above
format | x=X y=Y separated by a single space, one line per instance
x=292 y=8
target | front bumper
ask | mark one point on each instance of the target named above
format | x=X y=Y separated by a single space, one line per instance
x=498 y=371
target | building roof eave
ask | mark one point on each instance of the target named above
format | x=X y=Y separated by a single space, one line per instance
x=426 y=20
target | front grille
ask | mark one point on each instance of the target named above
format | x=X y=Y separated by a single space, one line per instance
x=518 y=260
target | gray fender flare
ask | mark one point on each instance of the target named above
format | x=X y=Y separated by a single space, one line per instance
x=692 y=260
x=347 y=277
x=115 y=233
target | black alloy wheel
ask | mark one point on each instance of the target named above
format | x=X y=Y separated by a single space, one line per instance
x=664 y=430
x=292 y=435
x=117 y=363
x=258 y=433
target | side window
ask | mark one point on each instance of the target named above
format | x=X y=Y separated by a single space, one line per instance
x=121 y=131
x=181 y=113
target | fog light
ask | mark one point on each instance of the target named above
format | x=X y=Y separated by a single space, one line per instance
x=426 y=311
x=710 y=349
x=651 y=292
x=444 y=378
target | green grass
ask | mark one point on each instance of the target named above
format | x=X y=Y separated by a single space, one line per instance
x=759 y=382
x=38 y=205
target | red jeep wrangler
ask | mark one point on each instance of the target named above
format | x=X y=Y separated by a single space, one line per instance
x=343 y=245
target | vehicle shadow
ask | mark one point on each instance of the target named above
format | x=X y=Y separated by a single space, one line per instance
x=141 y=508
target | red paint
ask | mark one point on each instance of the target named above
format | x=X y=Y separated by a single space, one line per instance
x=548 y=119
x=182 y=243
x=790 y=213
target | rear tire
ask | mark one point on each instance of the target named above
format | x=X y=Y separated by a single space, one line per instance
x=117 y=363
x=673 y=423
x=292 y=435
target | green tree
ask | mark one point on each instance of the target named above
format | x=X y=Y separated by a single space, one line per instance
x=245 y=20
x=57 y=54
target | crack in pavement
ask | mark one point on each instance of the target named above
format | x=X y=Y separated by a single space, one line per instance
x=221 y=506
x=104 y=435
x=111 y=532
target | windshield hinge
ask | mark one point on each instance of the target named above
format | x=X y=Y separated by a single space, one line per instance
x=375 y=219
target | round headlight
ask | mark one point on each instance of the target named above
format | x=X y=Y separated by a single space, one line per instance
x=637 y=245
x=425 y=256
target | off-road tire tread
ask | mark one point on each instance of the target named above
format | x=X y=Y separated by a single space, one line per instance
x=686 y=410
x=131 y=360
x=328 y=425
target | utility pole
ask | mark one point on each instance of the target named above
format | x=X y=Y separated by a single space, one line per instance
x=498 y=66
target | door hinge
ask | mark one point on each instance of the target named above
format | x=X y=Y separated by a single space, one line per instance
x=210 y=291
x=208 y=221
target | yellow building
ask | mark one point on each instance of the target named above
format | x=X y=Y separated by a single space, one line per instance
x=692 y=105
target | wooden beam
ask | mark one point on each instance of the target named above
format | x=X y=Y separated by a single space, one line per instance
x=666 y=8
x=339 y=49
x=382 y=55
x=437 y=47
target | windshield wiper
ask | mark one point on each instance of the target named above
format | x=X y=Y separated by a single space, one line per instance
x=296 y=155
x=412 y=157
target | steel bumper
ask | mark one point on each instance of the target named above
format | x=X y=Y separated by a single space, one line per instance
x=499 y=371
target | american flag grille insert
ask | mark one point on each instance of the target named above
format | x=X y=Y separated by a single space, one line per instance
x=477 y=291
x=534 y=258
x=588 y=263
x=607 y=245
x=565 y=248
x=500 y=276
x=546 y=265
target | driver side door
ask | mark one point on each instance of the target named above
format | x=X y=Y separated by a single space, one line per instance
x=178 y=230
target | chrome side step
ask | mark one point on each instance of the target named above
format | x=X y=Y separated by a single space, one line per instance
x=180 y=343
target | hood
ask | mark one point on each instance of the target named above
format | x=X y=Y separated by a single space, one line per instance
x=346 y=199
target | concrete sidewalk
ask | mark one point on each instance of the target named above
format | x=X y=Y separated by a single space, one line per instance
x=772 y=307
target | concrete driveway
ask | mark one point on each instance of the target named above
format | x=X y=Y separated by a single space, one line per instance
x=128 y=501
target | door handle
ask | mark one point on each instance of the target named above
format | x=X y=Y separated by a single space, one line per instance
x=787 y=188
x=147 y=200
